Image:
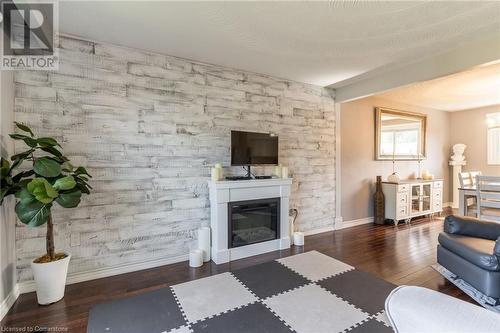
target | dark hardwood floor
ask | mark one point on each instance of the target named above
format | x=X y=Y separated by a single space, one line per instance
x=401 y=255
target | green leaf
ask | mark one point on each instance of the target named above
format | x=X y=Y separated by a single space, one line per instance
x=47 y=167
x=82 y=187
x=48 y=142
x=24 y=128
x=24 y=154
x=42 y=190
x=82 y=171
x=19 y=136
x=52 y=151
x=21 y=175
x=24 y=196
x=30 y=142
x=61 y=159
x=65 y=183
x=33 y=213
x=4 y=168
x=69 y=199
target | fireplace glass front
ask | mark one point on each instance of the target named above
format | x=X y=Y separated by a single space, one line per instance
x=253 y=221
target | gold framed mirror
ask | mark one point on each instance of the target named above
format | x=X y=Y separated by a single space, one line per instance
x=399 y=135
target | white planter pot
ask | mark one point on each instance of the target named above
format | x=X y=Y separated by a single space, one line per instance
x=50 y=280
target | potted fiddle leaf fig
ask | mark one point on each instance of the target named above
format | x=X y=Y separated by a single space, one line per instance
x=39 y=178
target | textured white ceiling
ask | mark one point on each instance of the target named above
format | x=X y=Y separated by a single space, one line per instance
x=314 y=42
x=471 y=89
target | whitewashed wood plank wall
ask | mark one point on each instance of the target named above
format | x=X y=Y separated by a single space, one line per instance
x=149 y=127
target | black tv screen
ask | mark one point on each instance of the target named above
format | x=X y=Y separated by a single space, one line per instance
x=248 y=148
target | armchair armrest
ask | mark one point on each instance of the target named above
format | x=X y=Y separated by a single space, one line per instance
x=469 y=226
x=496 y=249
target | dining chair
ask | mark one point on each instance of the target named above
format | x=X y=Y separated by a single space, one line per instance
x=466 y=180
x=488 y=198
x=473 y=176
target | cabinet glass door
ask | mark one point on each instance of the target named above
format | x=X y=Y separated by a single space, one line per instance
x=426 y=197
x=415 y=198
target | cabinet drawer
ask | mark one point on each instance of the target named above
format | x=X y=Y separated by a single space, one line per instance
x=437 y=196
x=438 y=206
x=438 y=184
x=402 y=199
x=403 y=188
x=401 y=212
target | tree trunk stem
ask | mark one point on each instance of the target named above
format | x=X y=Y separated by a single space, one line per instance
x=50 y=239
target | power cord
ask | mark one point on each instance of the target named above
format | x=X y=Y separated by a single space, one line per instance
x=295 y=212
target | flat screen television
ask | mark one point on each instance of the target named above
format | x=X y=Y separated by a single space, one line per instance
x=249 y=148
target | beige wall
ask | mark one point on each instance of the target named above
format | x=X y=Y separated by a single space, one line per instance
x=7 y=217
x=469 y=127
x=358 y=166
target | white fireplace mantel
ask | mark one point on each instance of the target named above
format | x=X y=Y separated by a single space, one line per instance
x=223 y=192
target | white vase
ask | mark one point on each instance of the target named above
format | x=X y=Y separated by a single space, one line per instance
x=50 y=280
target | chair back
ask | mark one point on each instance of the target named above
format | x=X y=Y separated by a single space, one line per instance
x=464 y=179
x=488 y=198
x=473 y=177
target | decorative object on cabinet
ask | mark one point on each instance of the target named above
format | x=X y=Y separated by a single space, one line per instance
x=379 y=203
x=399 y=135
x=419 y=172
x=412 y=198
x=394 y=177
x=457 y=161
x=426 y=175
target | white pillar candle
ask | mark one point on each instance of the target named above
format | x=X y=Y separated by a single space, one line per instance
x=214 y=173
x=195 y=258
x=218 y=172
x=277 y=171
x=298 y=238
x=204 y=242
x=284 y=172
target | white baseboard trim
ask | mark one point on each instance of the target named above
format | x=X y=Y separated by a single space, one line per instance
x=353 y=223
x=318 y=231
x=447 y=204
x=29 y=286
x=9 y=301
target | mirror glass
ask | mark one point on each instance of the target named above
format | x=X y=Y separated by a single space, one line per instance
x=399 y=135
